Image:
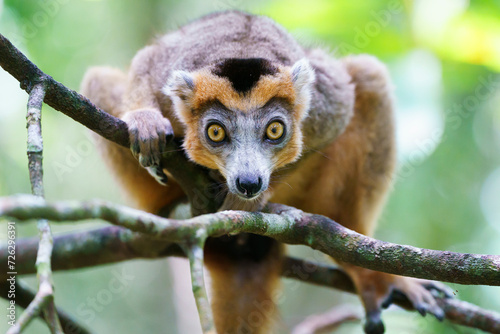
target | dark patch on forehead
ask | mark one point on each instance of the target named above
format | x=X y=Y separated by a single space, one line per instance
x=243 y=73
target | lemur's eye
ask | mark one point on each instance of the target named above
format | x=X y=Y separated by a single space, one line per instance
x=275 y=130
x=216 y=133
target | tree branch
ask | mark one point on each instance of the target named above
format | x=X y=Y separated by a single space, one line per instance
x=91 y=248
x=194 y=251
x=285 y=224
x=326 y=322
x=61 y=98
x=44 y=298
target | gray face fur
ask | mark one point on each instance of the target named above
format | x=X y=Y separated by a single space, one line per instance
x=249 y=156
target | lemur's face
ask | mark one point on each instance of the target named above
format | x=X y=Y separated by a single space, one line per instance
x=246 y=147
x=243 y=117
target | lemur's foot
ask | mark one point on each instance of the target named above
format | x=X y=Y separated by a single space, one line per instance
x=378 y=290
x=420 y=293
x=149 y=133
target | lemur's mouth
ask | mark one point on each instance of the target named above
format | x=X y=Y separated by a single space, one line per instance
x=249 y=198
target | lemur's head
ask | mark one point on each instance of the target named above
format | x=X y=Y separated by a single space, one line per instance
x=243 y=117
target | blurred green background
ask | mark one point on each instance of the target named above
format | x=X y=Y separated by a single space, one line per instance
x=443 y=55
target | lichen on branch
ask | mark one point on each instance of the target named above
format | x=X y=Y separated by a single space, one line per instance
x=283 y=223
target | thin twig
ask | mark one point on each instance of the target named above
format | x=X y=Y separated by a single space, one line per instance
x=35 y=141
x=327 y=321
x=194 y=251
x=44 y=298
x=285 y=224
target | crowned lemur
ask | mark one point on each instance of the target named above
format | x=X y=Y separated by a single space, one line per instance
x=281 y=123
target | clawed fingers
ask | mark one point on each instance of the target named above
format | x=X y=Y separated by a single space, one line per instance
x=158 y=174
x=419 y=293
x=439 y=288
x=151 y=143
x=149 y=134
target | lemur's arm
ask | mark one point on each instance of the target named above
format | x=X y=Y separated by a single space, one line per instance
x=149 y=130
x=141 y=92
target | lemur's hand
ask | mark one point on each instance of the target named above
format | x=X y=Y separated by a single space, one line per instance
x=420 y=293
x=149 y=132
x=379 y=290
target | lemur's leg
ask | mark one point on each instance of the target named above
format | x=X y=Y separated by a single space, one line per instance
x=105 y=87
x=371 y=141
x=245 y=271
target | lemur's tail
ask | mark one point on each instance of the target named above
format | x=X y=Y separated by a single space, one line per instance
x=245 y=271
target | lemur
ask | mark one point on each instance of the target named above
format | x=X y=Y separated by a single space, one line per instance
x=281 y=123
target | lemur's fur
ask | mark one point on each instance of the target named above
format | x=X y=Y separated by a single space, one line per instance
x=338 y=149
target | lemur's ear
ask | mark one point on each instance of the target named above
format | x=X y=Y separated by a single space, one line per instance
x=303 y=78
x=180 y=88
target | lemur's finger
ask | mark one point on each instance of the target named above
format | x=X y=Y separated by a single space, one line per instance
x=439 y=288
x=158 y=174
x=149 y=132
x=162 y=142
x=388 y=301
x=422 y=299
x=146 y=158
x=432 y=306
x=374 y=324
x=134 y=142
x=437 y=312
x=169 y=131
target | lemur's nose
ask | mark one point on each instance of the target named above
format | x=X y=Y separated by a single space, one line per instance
x=249 y=185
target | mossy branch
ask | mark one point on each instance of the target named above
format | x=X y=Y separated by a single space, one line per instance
x=43 y=301
x=194 y=251
x=285 y=224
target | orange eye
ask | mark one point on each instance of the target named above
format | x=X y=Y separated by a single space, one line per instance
x=216 y=133
x=275 y=130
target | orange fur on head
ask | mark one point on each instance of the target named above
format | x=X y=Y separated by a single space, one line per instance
x=198 y=153
x=210 y=87
x=190 y=92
